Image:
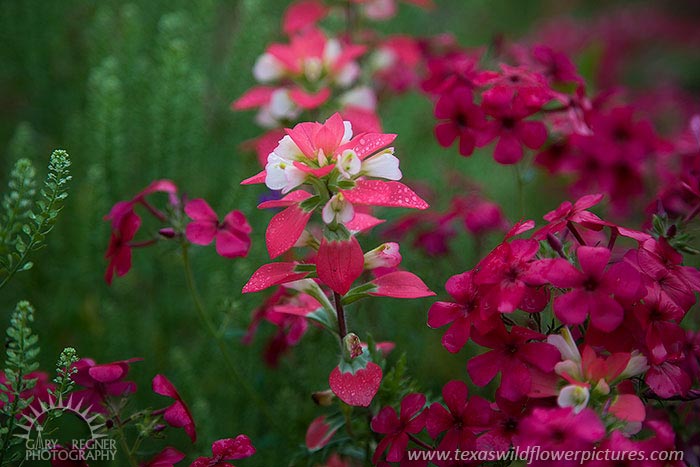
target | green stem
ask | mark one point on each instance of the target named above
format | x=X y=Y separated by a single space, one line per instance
x=521 y=190
x=209 y=325
x=122 y=436
x=342 y=325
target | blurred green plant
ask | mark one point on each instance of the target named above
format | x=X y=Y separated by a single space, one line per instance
x=25 y=220
x=22 y=352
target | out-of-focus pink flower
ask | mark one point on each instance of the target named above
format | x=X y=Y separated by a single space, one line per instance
x=460 y=119
x=302 y=15
x=509 y=126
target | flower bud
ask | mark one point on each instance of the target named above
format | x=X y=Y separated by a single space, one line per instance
x=323 y=398
x=574 y=396
x=353 y=345
x=385 y=255
x=167 y=232
x=636 y=366
x=338 y=209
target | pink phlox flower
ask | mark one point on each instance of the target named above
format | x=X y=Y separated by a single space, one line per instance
x=396 y=428
x=178 y=414
x=232 y=234
x=227 y=449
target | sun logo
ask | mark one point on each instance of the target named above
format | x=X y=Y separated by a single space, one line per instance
x=31 y=421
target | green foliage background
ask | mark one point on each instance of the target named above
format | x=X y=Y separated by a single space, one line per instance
x=140 y=90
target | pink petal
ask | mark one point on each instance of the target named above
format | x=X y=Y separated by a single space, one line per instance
x=446 y=133
x=254 y=97
x=628 y=407
x=482 y=368
x=442 y=313
x=308 y=100
x=367 y=144
x=533 y=134
x=563 y=274
x=330 y=134
x=508 y=150
x=381 y=193
x=302 y=134
x=606 y=313
x=400 y=284
x=302 y=14
x=255 y=179
x=272 y=274
x=108 y=372
x=161 y=385
x=295 y=197
x=232 y=244
x=455 y=394
x=572 y=308
x=201 y=232
x=284 y=229
x=339 y=263
x=356 y=389
x=178 y=416
x=457 y=335
x=362 y=222
x=593 y=259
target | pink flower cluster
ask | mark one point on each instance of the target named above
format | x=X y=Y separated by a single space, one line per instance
x=619 y=341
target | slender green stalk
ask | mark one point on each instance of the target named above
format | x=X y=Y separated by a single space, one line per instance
x=209 y=325
x=342 y=325
x=122 y=436
x=521 y=190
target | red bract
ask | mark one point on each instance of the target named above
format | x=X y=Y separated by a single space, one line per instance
x=339 y=263
x=356 y=387
x=269 y=275
x=462 y=421
x=227 y=449
x=177 y=415
x=232 y=235
x=596 y=290
x=101 y=381
x=464 y=120
x=400 y=284
x=302 y=15
x=513 y=354
x=397 y=428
